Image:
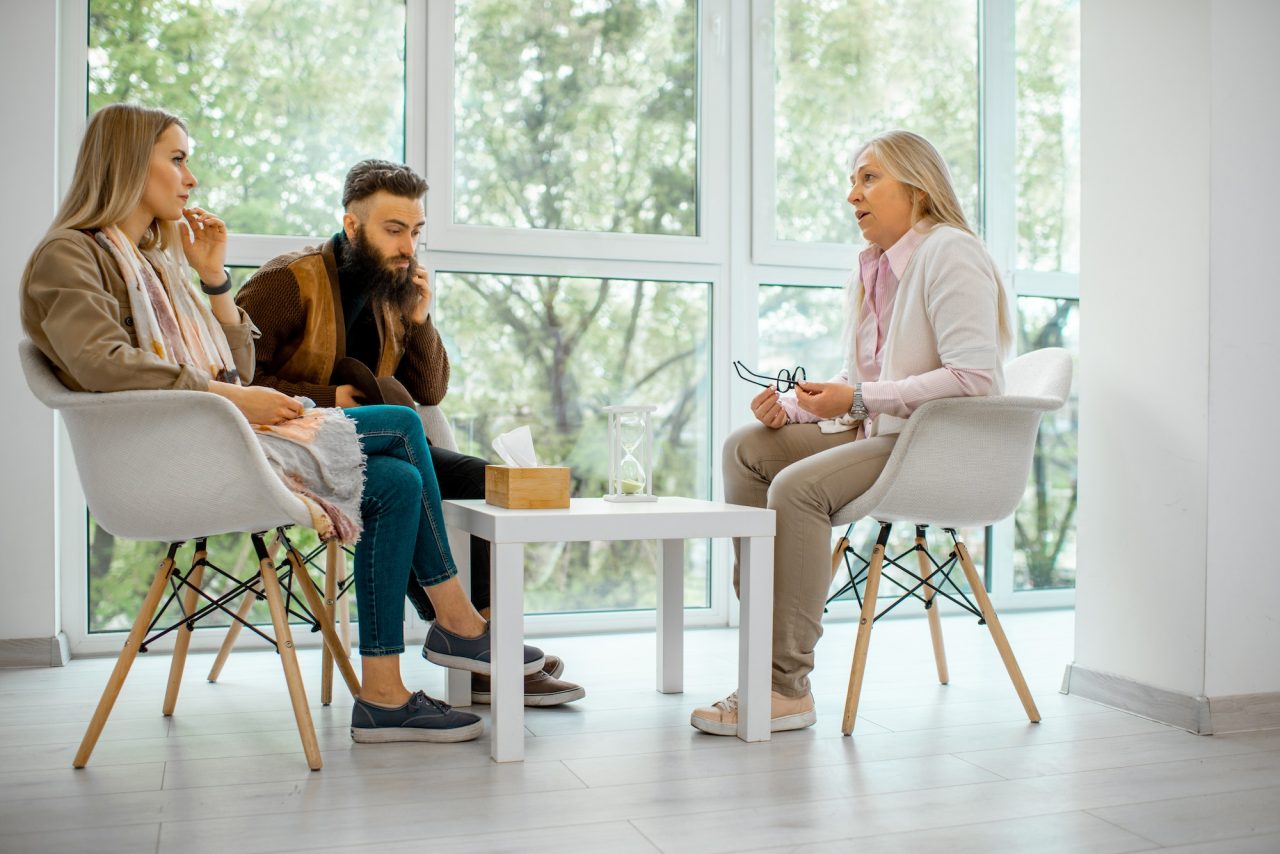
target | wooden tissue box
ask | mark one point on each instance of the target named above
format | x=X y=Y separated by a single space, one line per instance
x=540 y=488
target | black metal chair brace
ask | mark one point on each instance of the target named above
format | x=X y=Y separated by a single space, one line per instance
x=859 y=577
x=251 y=585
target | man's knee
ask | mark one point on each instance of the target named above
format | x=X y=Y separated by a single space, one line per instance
x=459 y=475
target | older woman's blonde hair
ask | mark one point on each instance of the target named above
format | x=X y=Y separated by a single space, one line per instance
x=111 y=175
x=912 y=160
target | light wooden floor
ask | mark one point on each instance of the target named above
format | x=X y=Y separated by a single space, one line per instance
x=930 y=768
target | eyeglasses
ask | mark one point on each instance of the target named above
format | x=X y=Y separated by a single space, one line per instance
x=784 y=381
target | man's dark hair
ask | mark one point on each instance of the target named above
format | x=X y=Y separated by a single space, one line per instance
x=369 y=176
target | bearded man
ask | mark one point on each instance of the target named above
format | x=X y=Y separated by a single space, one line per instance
x=348 y=323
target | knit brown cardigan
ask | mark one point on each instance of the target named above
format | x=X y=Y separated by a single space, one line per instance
x=296 y=303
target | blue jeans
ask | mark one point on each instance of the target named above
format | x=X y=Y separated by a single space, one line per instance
x=403 y=525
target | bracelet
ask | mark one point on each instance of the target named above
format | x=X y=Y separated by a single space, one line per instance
x=223 y=288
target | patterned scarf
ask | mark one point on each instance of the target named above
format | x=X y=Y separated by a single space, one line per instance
x=317 y=456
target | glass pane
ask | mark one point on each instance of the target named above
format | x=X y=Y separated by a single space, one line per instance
x=846 y=70
x=1048 y=148
x=550 y=352
x=1045 y=524
x=801 y=326
x=281 y=99
x=577 y=114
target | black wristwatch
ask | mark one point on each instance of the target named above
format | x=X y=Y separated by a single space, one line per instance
x=223 y=288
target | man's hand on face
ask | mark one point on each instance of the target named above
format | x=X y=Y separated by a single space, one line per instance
x=347 y=396
x=423 y=283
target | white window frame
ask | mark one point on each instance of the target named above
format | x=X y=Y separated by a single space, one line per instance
x=735 y=250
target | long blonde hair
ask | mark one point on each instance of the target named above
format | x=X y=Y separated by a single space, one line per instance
x=912 y=160
x=111 y=175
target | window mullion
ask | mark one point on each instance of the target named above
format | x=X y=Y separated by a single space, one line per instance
x=997 y=135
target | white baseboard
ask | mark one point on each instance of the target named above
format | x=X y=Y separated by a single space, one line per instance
x=35 y=652
x=1197 y=714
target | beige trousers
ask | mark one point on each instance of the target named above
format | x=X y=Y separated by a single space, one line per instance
x=804 y=476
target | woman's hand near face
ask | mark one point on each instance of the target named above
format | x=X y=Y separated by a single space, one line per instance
x=205 y=245
x=258 y=404
x=767 y=409
x=825 y=400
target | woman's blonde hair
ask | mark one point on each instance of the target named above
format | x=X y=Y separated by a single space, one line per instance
x=911 y=160
x=111 y=173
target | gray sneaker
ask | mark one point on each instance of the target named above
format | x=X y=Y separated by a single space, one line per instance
x=420 y=719
x=449 y=650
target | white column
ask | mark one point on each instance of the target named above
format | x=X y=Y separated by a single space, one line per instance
x=1178 y=366
x=29 y=614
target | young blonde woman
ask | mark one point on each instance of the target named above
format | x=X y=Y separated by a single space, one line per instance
x=927 y=318
x=107 y=298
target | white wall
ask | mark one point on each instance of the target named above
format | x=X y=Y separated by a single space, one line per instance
x=28 y=576
x=1179 y=365
x=1244 y=351
x=1144 y=340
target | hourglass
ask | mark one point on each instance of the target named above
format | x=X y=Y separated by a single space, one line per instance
x=630 y=453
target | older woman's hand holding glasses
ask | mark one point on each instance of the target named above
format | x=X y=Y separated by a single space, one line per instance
x=825 y=400
x=765 y=405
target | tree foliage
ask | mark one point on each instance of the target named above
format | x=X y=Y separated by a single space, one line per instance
x=279 y=98
x=847 y=70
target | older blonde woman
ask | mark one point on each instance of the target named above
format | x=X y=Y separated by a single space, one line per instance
x=928 y=319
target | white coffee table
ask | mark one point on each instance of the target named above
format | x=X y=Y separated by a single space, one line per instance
x=672 y=520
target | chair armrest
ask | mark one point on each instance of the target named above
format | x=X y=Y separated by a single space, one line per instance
x=962 y=460
x=437 y=428
x=170 y=464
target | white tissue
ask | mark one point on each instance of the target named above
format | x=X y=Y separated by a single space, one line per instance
x=516 y=448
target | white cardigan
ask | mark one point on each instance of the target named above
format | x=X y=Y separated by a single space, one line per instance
x=946 y=312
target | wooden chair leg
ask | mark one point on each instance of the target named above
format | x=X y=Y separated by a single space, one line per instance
x=233 y=630
x=303 y=579
x=997 y=633
x=331 y=552
x=125 y=661
x=343 y=606
x=288 y=657
x=935 y=623
x=864 y=630
x=837 y=554
x=182 y=642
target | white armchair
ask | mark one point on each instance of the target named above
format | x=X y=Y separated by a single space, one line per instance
x=959 y=462
x=174 y=466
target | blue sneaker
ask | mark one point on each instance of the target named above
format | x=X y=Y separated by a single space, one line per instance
x=420 y=719
x=449 y=650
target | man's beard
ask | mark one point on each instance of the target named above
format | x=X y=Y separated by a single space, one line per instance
x=363 y=265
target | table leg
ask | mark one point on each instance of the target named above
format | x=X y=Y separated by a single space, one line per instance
x=458 y=692
x=506 y=621
x=671 y=618
x=755 y=638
